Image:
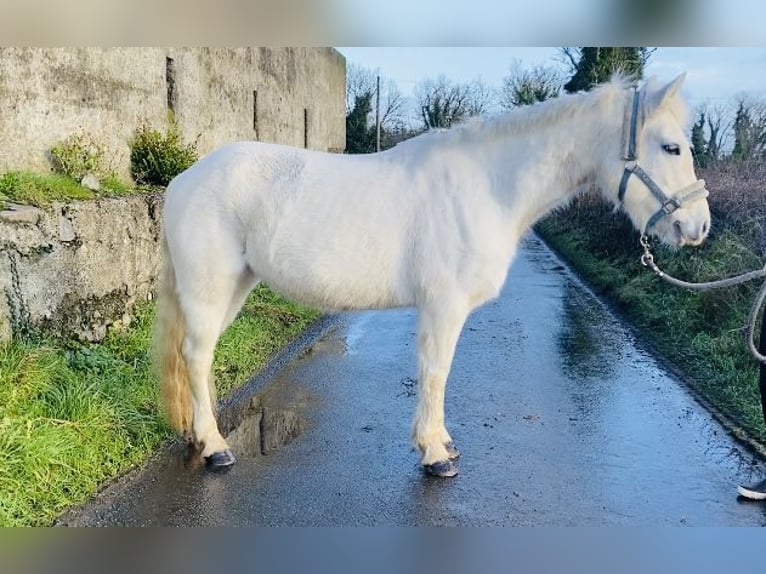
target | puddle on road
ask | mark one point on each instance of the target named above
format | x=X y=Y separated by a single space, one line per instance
x=330 y=344
x=279 y=412
x=589 y=342
x=276 y=415
x=588 y=339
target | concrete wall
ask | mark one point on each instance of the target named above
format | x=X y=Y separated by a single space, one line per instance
x=77 y=268
x=47 y=94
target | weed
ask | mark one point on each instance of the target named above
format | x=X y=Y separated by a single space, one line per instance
x=155 y=158
x=77 y=156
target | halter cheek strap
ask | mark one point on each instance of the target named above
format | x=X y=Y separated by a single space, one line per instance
x=668 y=204
x=630 y=128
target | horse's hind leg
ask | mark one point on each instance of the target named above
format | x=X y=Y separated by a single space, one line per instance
x=245 y=284
x=203 y=327
x=438 y=333
x=210 y=301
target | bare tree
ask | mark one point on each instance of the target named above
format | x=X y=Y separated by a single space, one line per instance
x=719 y=127
x=570 y=57
x=361 y=81
x=711 y=133
x=481 y=97
x=443 y=103
x=524 y=86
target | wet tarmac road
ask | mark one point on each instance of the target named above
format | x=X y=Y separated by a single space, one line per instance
x=560 y=417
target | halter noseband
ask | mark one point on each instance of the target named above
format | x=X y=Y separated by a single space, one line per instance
x=668 y=204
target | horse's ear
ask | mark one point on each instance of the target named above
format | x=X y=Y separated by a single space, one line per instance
x=650 y=83
x=657 y=99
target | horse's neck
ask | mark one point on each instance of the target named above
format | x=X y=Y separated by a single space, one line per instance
x=539 y=169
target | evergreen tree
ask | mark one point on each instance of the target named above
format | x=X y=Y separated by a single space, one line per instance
x=743 y=137
x=360 y=137
x=592 y=66
x=699 y=145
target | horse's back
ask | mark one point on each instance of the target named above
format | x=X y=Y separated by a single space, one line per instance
x=327 y=229
x=339 y=235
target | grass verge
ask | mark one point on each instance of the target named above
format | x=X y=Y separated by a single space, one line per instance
x=42 y=189
x=700 y=333
x=74 y=415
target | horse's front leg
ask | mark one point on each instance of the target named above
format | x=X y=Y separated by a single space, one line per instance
x=438 y=333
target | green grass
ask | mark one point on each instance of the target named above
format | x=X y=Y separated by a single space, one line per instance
x=42 y=189
x=112 y=186
x=699 y=333
x=73 y=415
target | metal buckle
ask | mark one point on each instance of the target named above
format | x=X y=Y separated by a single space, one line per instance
x=670 y=205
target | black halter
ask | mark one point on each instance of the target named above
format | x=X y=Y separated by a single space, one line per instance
x=668 y=204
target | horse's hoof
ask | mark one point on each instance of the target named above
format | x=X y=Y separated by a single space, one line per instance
x=442 y=469
x=452 y=452
x=220 y=460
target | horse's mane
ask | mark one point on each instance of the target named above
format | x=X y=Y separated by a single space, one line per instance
x=609 y=95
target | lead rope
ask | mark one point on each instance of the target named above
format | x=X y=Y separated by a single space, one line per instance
x=647 y=260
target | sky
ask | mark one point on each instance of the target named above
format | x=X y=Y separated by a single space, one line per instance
x=546 y=22
x=714 y=75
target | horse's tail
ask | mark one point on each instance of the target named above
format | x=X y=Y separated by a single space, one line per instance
x=169 y=331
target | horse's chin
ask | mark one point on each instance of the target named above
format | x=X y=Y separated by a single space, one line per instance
x=676 y=239
x=697 y=243
x=676 y=242
x=671 y=241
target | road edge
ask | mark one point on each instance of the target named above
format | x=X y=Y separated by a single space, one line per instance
x=729 y=424
x=232 y=410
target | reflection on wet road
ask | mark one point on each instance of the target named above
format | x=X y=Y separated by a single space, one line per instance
x=561 y=418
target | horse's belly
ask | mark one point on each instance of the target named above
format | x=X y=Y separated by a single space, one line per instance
x=330 y=279
x=335 y=292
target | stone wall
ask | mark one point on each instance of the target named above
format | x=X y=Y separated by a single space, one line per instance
x=294 y=96
x=79 y=267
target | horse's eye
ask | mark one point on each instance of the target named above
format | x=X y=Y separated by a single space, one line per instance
x=672 y=149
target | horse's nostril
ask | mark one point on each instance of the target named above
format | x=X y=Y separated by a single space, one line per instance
x=677 y=227
x=705 y=227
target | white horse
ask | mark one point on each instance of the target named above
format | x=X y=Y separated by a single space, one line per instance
x=433 y=223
